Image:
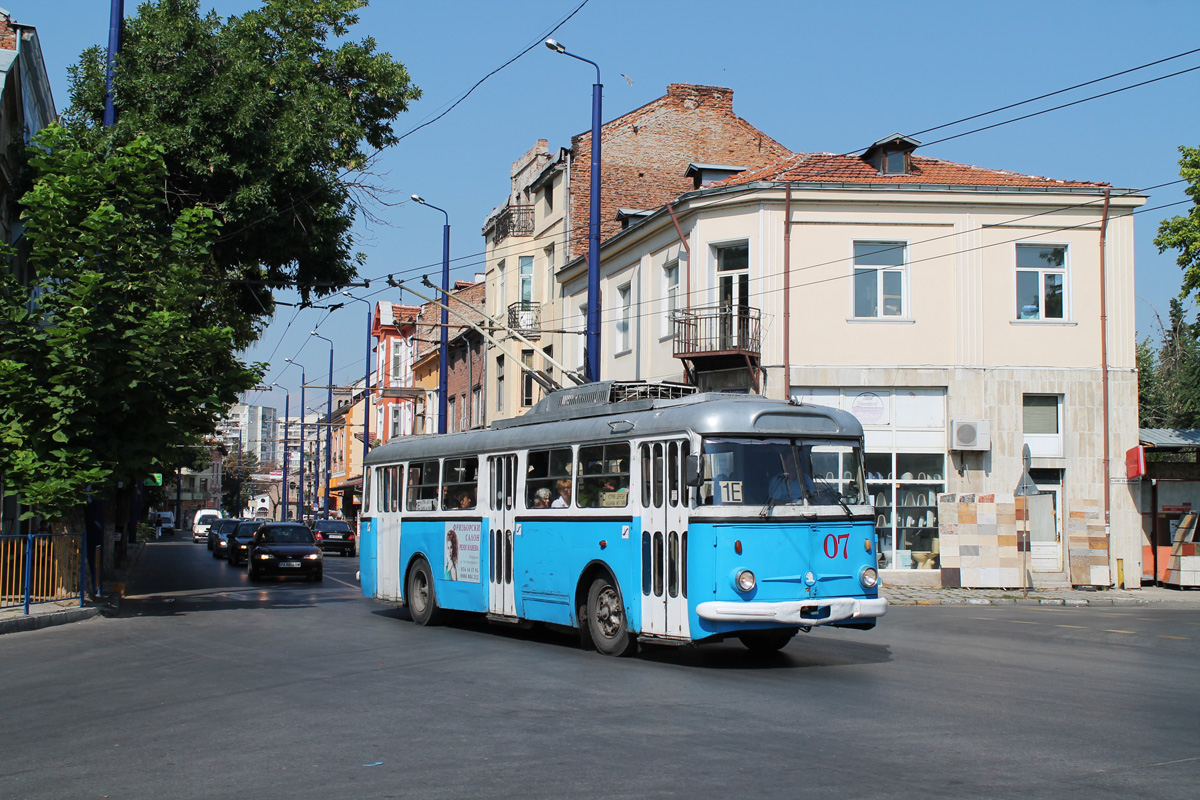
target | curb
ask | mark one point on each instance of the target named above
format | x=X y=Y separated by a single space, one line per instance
x=1022 y=601
x=35 y=622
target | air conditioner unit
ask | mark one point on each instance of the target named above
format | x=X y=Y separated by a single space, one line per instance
x=970 y=434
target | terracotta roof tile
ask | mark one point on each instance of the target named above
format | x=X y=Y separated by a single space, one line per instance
x=834 y=168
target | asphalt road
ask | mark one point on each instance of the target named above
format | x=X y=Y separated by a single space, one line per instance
x=209 y=686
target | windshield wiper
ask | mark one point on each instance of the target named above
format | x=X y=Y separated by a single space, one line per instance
x=772 y=499
x=837 y=494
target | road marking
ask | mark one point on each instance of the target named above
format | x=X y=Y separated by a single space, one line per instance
x=1184 y=638
x=1080 y=627
x=1113 y=631
x=1023 y=622
x=342 y=582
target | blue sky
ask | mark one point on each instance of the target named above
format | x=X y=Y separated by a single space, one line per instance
x=815 y=76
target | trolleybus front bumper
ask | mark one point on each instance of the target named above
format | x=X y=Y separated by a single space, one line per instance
x=795 y=612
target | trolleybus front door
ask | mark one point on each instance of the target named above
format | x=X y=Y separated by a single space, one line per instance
x=502 y=473
x=664 y=540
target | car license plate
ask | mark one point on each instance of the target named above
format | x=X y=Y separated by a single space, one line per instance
x=289 y=564
x=335 y=536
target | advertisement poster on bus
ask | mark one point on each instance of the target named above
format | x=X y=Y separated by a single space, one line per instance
x=462 y=551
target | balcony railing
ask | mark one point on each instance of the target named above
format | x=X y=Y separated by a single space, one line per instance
x=717 y=330
x=513 y=221
x=525 y=318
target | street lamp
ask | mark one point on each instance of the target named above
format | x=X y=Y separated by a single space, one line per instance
x=442 y=360
x=591 y=356
x=366 y=392
x=328 y=424
x=300 y=502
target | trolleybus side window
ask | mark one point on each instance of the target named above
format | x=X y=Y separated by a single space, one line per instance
x=396 y=500
x=603 y=476
x=461 y=484
x=422 y=485
x=550 y=470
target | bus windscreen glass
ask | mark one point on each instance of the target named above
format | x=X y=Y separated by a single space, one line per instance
x=781 y=472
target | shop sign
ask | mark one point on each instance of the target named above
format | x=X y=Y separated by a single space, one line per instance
x=870 y=408
x=1179 y=509
x=1135 y=462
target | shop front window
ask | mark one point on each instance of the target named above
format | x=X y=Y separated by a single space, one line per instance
x=904 y=488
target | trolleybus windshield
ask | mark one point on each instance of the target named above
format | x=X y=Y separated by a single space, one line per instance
x=779 y=472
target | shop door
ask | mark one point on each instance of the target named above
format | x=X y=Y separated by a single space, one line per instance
x=664 y=539
x=502 y=474
x=1045 y=540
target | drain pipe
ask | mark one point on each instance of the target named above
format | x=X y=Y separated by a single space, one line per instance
x=1104 y=357
x=787 y=291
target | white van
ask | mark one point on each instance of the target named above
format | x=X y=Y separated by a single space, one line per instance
x=201 y=522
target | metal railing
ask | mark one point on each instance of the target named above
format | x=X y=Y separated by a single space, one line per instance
x=41 y=568
x=525 y=318
x=710 y=330
x=515 y=220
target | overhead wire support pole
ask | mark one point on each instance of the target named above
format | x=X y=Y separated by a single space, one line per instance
x=498 y=325
x=366 y=391
x=443 y=360
x=328 y=426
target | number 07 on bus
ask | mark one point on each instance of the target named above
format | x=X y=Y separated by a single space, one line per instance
x=631 y=512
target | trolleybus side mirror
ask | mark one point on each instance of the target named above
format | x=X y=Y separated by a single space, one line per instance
x=692 y=467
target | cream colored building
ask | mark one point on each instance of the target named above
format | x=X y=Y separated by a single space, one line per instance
x=956 y=311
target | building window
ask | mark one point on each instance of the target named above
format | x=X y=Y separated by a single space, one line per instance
x=526 y=267
x=397 y=365
x=527 y=378
x=1042 y=424
x=394 y=420
x=462 y=412
x=670 y=296
x=499 y=383
x=419 y=416
x=548 y=196
x=451 y=416
x=879 y=279
x=550 y=267
x=477 y=407
x=501 y=300
x=583 y=323
x=625 y=320
x=1041 y=274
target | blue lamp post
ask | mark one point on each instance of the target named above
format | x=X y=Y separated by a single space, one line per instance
x=300 y=501
x=591 y=357
x=328 y=425
x=443 y=397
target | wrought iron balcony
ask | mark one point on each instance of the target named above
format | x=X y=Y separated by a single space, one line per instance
x=526 y=318
x=717 y=331
x=516 y=220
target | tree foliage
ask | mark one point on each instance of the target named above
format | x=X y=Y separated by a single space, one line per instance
x=110 y=361
x=1169 y=378
x=264 y=122
x=1182 y=232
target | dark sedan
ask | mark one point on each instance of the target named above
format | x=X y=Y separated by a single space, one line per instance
x=334 y=534
x=284 y=548
x=218 y=534
x=240 y=539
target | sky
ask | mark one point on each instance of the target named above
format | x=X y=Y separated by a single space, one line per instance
x=815 y=76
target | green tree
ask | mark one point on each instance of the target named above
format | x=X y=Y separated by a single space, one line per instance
x=1182 y=232
x=238 y=471
x=111 y=366
x=263 y=122
x=1169 y=379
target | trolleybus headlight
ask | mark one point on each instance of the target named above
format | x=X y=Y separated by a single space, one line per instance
x=869 y=577
x=745 y=581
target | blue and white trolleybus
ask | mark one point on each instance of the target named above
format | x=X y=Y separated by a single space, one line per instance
x=631 y=512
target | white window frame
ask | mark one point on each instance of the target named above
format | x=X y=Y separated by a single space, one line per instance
x=624 y=322
x=670 y=293
x=1044 y=445
x=525 y=277
x=881 y=271
x=1042 y=272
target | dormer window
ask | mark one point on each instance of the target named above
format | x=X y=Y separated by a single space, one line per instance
x=892 y=155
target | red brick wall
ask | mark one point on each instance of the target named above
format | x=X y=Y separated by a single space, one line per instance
x=8 y=34
x=646 y=153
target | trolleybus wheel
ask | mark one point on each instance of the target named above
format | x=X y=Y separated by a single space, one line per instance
x=768 y=641
x=422 y=600
x=606 y=619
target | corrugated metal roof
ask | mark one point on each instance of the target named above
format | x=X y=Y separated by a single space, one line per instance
x=1169 y=438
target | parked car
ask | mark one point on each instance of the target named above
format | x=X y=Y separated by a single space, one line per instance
x=218 y=536
x=201 y=522
x=333 y=534
x=166 y=521
x=239 y=540
x=284 y=548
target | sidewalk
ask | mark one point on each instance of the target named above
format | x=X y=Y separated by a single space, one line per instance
x=61 y=612
x=921 y=596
